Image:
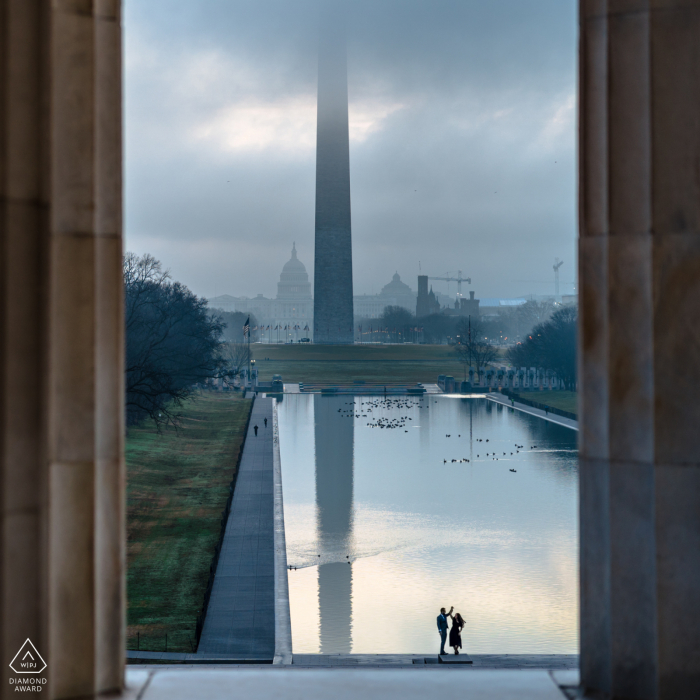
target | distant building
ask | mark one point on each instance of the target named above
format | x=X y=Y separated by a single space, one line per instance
x=293 y=307
x=369 y=305
x=426 y=302
x=396 y=293
x=468 y=307
x=493 y=307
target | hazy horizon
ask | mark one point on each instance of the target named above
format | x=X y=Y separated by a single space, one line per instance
x=462 y=141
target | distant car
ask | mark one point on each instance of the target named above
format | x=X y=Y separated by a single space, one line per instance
x=305 y=340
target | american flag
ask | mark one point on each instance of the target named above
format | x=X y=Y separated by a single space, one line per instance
x=246 y=328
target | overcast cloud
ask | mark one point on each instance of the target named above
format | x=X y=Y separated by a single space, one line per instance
x=462 y=140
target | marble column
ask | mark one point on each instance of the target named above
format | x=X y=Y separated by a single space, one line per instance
x=61 y=342
x=639 y=271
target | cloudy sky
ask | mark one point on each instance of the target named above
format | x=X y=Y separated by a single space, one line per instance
x=462 y=140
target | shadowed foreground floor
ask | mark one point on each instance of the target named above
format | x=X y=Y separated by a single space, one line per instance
x=408 y=683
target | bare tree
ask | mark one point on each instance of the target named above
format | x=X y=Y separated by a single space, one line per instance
x=398 y=322
x=518 y=321
x=471 y=347
x=235 y=356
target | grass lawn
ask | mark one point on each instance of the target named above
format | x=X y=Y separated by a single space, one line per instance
x=564 y=400
x=346 y=363
x=177 y=487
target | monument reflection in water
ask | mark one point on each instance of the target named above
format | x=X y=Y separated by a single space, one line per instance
x=383 y=527
x=334 y=453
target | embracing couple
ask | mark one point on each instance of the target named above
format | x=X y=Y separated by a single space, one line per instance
x=455 y=631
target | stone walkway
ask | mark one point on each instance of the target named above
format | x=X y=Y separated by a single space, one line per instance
x=550 y=662
x=551 y=417
x=407 y=683
x=240 y=621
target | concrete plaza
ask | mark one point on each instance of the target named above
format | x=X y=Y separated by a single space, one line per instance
x=408 y=683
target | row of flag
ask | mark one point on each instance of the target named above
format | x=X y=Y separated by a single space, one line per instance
x=388 y=330
x=247 y=329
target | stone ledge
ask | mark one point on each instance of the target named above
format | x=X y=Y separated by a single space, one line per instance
x=151 y=657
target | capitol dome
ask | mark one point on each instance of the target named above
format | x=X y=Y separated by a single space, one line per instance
x=396 y=288
x=398 y=293
x=294 y=280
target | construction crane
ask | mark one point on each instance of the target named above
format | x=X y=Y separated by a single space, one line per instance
x=459 y=279
x=557 y=265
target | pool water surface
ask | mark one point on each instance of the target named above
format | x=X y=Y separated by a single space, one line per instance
x=395 y=508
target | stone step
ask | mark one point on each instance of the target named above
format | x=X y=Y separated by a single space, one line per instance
x=454 y=659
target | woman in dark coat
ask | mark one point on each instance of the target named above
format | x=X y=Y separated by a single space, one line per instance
x=456 y=632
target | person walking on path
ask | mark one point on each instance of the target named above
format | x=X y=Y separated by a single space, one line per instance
x=442 y=627
x=266 y=422
x=255 y=428
x=456 y=632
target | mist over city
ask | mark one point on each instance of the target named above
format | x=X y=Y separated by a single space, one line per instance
x=462 y=142
x=349 y=349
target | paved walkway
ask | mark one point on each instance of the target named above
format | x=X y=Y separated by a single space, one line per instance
x=240 y=621
x=408 y=683
x=551 y=417
x=547 y=662
x=550 y=662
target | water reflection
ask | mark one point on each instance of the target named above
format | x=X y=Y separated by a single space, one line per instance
x=422 y=530
x=334 y=454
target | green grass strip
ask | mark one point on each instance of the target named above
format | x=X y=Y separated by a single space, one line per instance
x=563 y=400
x=347 y=363
x=177 y=486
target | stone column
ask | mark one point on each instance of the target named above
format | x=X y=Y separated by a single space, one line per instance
x=61 y=342
x=639 y=269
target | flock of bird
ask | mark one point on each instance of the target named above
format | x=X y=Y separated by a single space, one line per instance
x=363 y=409
x=493 y=456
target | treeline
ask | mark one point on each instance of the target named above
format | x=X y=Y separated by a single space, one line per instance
x=173 y=342
x=473 y=350
x=399 y=325
x=551 y=346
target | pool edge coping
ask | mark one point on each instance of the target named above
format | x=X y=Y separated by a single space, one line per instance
x=283 y=619
x=538 y=413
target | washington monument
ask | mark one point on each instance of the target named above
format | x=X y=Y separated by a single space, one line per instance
x=333 y=313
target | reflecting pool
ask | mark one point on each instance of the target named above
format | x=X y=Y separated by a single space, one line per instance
x=383 y=528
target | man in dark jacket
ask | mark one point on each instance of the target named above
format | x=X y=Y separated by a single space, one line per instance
x=442 y=627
